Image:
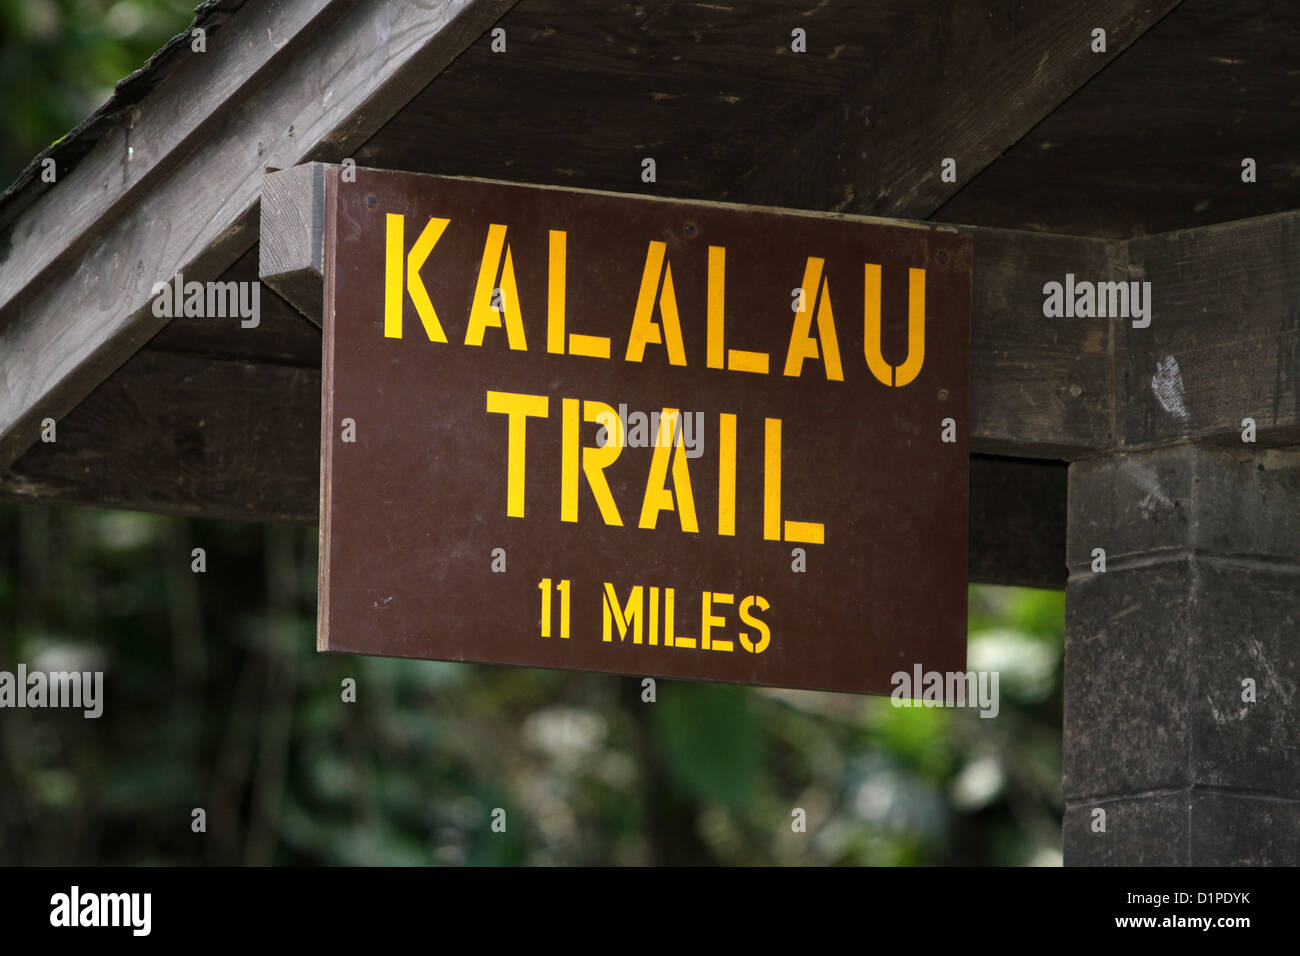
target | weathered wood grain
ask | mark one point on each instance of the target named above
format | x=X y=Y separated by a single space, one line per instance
x=1155 y=141
x=969 y=82
x=291 y=247
x=185 y=434
x=1224 y=339
x=1040 y=387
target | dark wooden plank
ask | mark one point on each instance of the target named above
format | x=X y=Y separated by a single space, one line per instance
x=283 y=335
x=1040 y=387
x=291 y=247
x=91 y=309
x=1155 y=142
x=1017 y=522
x=182 y=434
x=587 y=88
x=966 y=84
x=1224 y=339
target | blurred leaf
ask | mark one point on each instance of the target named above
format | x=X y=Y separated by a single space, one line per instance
x=1026 y=666
x=917 y=735
x=710 y=741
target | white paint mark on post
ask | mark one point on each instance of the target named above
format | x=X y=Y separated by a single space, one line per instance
x=1167 y=384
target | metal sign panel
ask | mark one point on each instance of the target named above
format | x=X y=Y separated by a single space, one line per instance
x=587 y=430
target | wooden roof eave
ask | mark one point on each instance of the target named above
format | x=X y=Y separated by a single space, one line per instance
x=175 y=187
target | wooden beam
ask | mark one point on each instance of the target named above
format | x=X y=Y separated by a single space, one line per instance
x=183 y=434
x=291 y=247
x=1040 y=387
x=1224 y=340
x=966 y=84
x=85 y=304
x=1223 y=343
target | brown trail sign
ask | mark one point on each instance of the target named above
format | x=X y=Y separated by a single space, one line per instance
x=587 y=430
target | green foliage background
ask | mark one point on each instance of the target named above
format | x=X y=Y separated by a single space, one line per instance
x=217 y=699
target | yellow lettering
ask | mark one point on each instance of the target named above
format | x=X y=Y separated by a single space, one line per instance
x=653 y=635
x=519 y=408
x=765 y=634
x=802 y=344
x=482 y=315
x=882 y=370
x=670 y=599
x=738 y=360
x=624 y=617
x=594 y=460
x=555 y=289
x=714 y=345
x=657 y=497
x=708 y=621
x=726 y=474
x=772 y=479
x=803 y=532
x=593 y=346
x=569 y=442
x=645 y=331
x=414 y=284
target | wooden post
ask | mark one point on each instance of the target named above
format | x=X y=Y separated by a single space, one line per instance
x=1182 y=666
